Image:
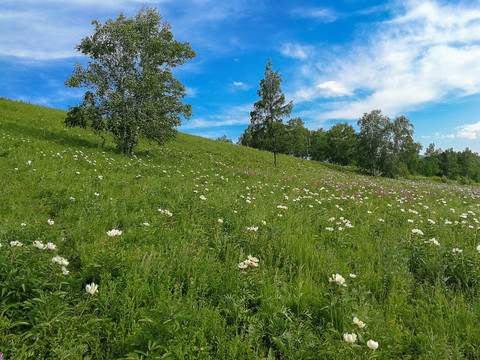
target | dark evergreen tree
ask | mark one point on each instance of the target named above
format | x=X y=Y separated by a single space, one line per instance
x=268 y=113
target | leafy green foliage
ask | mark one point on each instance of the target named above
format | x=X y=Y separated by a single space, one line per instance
x=133 y=93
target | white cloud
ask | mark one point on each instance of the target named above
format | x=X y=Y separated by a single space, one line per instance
x=50 y=29
x=444 y=136
x=296 y=51
x=322 y=14
x=333 y=88
x=431 y=52
x=471 y=131
x=239 y=83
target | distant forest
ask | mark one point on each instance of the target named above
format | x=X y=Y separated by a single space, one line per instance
x=380 y=147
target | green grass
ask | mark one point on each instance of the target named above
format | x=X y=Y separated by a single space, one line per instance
x=173 y=290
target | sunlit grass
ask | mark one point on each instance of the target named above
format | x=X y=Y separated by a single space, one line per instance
x=170 y=285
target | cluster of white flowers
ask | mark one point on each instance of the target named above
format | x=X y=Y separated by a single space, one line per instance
x=220 y=221
x=166 y=212
x=433 y=241
x=283 y=207
x=50 y=222
x=251 y=228
x=251 y=261
x=40 y=245
x=339 y=279
x=352 y=338
x=60 y=260
x=417 y=232
x=114 y=232
x=15 y=243
x=202 y=197
x=457 y=251
x=478 y=248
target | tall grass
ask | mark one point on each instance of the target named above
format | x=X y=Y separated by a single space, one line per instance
x=169 y=287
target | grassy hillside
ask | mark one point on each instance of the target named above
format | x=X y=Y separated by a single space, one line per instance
x=175 y=284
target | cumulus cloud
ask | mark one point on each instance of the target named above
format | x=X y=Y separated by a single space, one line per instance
x=239 y=83
x=333 y=88
x=471 y=131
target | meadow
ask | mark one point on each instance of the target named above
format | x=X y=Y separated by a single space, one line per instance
x=205 y=250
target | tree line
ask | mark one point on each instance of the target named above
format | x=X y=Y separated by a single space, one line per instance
x=132 y=94
x=381 y=146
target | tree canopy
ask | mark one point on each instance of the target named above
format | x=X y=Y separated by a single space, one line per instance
x=132 y=92
x=268 y=112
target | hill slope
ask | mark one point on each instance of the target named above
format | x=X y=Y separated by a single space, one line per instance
x=400 y=256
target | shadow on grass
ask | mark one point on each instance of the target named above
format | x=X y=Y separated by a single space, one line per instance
x=58 y=137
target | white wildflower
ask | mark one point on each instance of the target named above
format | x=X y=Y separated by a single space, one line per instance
x=372 y=344
x=16 y=243
x=339 y=279
x=358 y=322
x=243 y=265
x=417 y=232
x=166 y=212
x=91 y=288
x=50 y=222
x=350 y=338
x=433 y=241
x=114 y=232
x=39 y=245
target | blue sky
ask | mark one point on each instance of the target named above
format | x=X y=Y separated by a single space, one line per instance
x=338 y=59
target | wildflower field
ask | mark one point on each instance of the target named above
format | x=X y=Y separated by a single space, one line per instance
x=205 y=250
